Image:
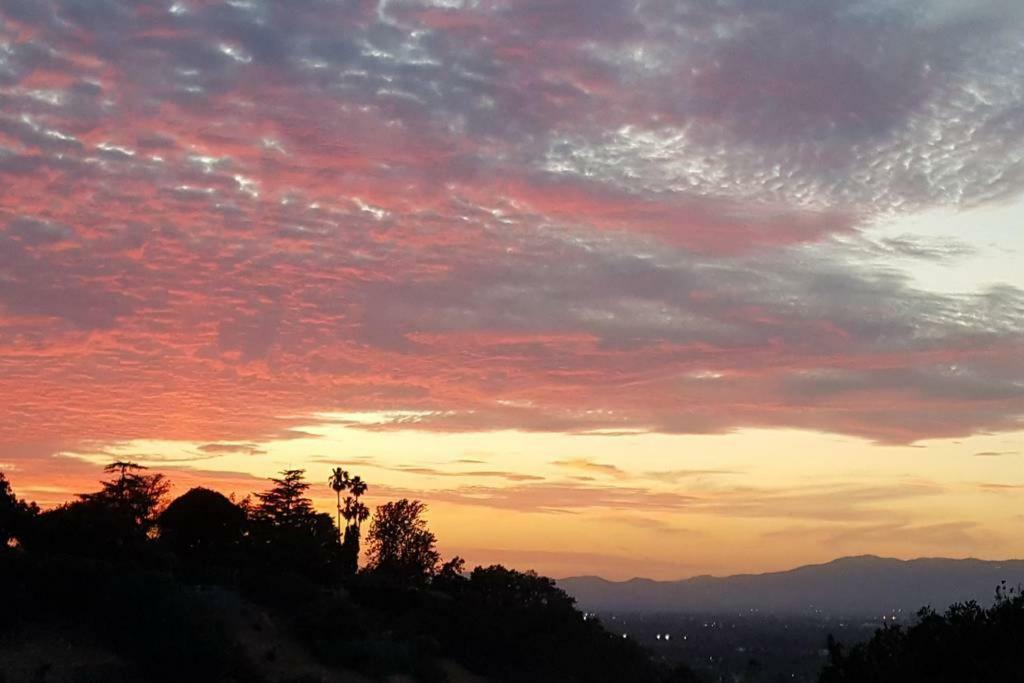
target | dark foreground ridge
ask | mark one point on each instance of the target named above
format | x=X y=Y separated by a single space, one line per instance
x=117 y=586
x=864 y=586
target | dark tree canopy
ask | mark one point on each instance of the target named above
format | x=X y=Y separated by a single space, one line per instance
x=353 y=511
x=131 y=492
x=178 y=594
x=15 y=514
x=287 y=531
x=450 y=574
x=400 y=544
x=113 y=522
x=87 y=528
x=286 y=504
x=966 y=643
x=509 y=588
x=519 y=626
x=202 y=524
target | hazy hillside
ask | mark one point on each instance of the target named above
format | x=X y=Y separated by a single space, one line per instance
x=865 y=585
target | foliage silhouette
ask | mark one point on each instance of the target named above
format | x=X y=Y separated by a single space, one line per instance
x=112 y=523
x=519 y=626
x=966 y=643
x=205 y=530
x=87 y=528
x=133 y=493
x=288 y=533
x=400 y=545
x=353 y=511
x=285 y=504
x=167 y=592
x=338 y=481
x=450 y=574
x=15 y=514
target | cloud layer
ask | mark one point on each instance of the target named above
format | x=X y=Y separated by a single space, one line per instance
x=220 y=219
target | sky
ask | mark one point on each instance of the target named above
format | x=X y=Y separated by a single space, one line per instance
x=619 y=287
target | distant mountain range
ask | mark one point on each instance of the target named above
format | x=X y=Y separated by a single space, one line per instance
x=864 y=585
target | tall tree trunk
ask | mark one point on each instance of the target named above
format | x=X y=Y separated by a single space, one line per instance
x=338 y=494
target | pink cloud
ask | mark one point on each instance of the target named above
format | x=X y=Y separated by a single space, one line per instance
x=221 y=223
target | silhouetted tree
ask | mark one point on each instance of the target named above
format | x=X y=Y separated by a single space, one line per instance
x=519 y=626
x=133 y=493
x=338 y=481
x=203 y=527
x=285 y=504
x=91 y=563
x=113 y=523
x=400 y=544
x=15 y=514
x=451 y=574
x=504 y=588
x=87 y=528
x=289 y=532
x=354 y=513
x=357 y=486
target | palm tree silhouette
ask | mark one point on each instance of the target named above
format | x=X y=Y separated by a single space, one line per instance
x=340 y=481
x=357 y=486
x=355 y=513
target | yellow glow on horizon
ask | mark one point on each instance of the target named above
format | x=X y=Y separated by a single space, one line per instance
x=656 y=505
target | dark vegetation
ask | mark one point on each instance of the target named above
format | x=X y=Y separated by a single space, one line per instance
x=119 y=585
x=968 y=643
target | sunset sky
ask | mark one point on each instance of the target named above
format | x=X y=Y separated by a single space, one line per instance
x=618 y=287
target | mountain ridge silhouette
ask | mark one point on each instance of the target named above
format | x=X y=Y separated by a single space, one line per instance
x=868 y=585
